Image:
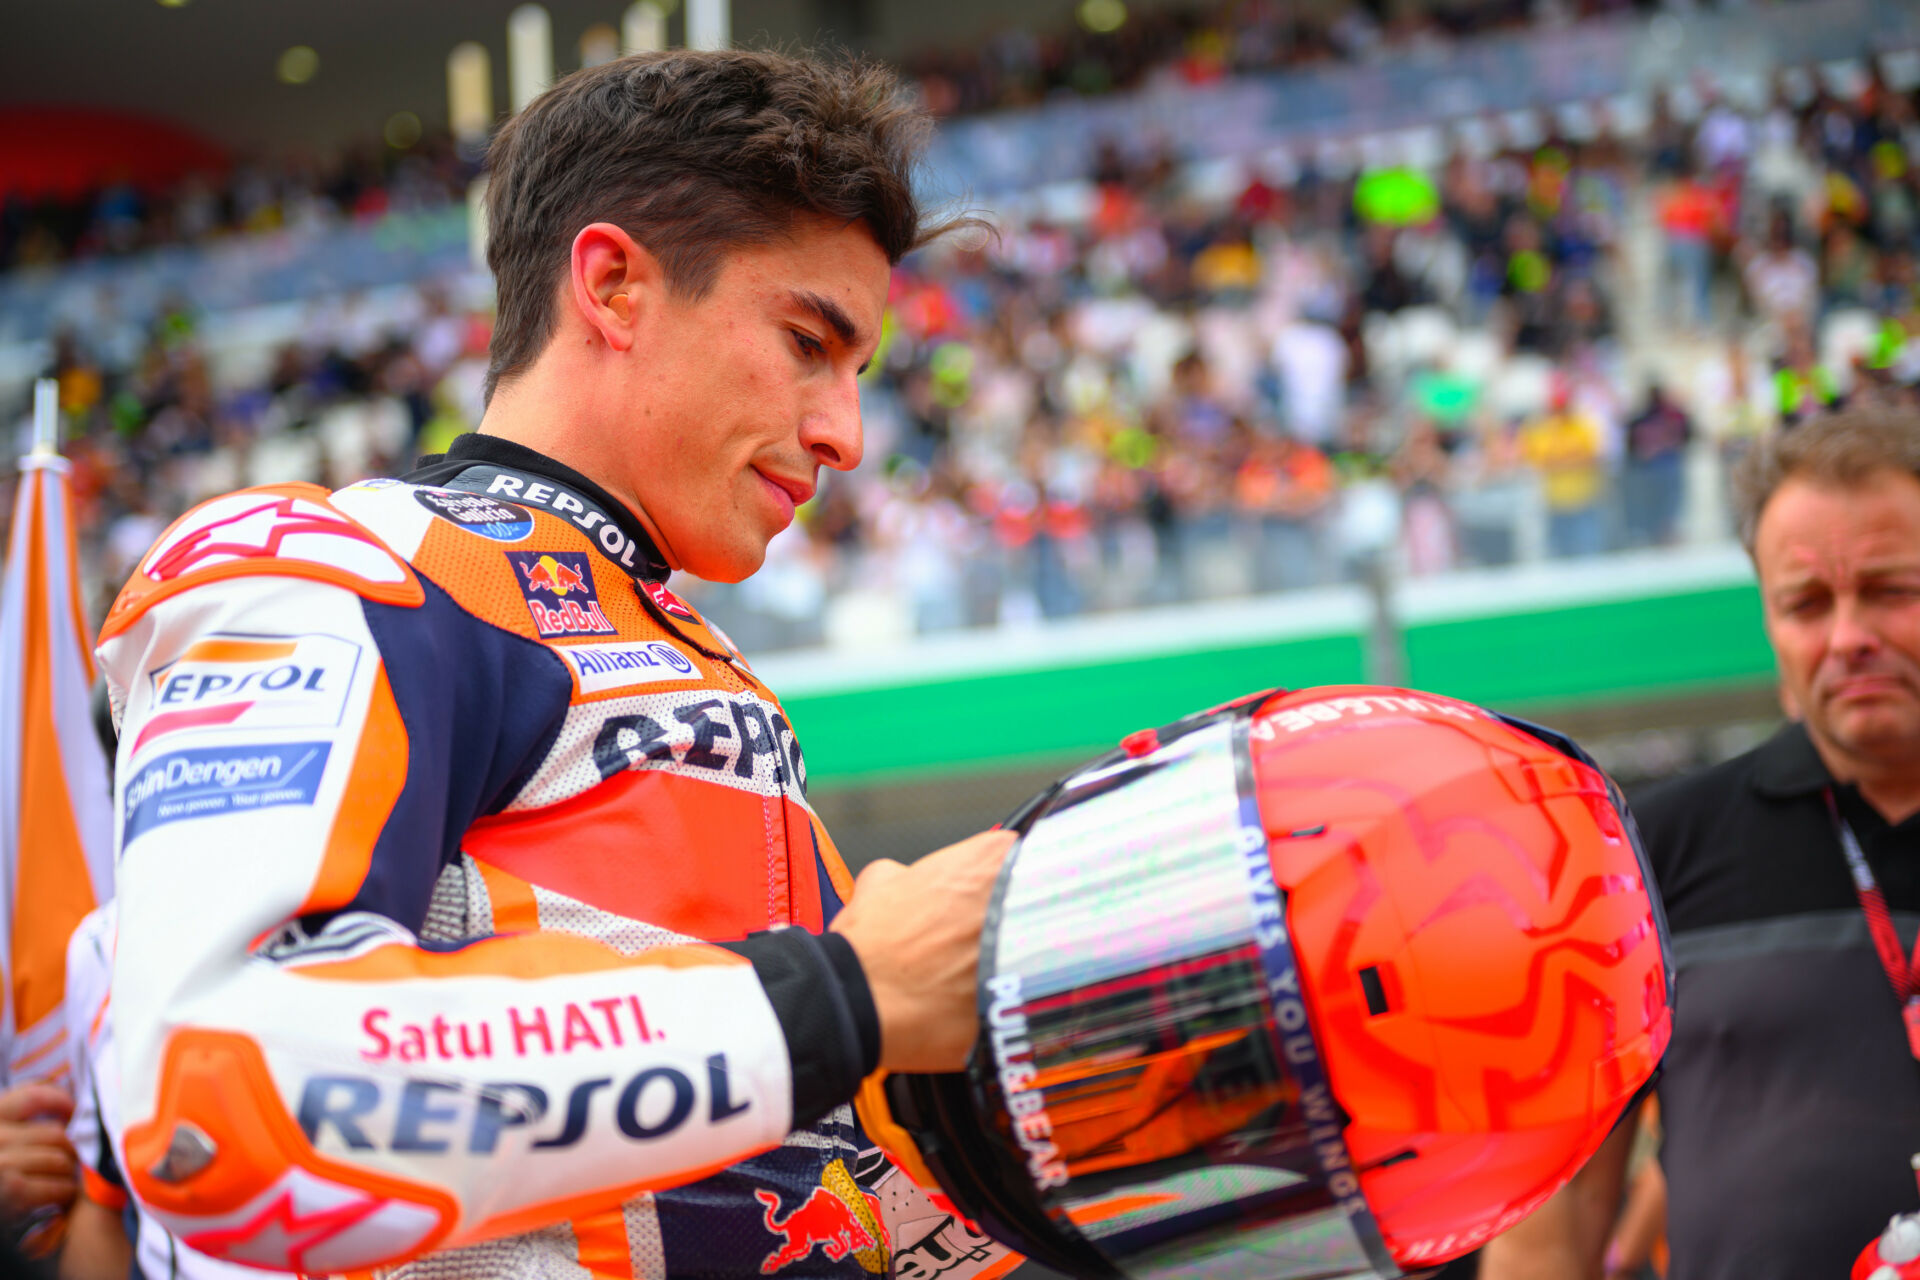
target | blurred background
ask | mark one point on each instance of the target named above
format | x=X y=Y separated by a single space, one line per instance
x=1407 y=341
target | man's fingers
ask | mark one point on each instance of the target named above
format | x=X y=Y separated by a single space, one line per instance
x=980 y=849
x=988 y=850
x=877 y=872
x=35 y=1101
x=38 y=1133
x=21 y=1194
x=38 y=1159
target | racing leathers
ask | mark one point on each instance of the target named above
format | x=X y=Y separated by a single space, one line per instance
x=433 y=802
x=96 y=1098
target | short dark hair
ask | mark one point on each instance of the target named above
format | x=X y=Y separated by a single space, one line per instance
x=694 y=153
x=1842 y=449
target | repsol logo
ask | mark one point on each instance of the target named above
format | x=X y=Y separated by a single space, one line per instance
x=436 y=1116
x=722 y=734
x=587 y=517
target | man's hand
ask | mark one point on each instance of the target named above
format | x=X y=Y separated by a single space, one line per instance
x=917 y=932
x=96 y=1245
x=1566 y=1237
x=37 y=1167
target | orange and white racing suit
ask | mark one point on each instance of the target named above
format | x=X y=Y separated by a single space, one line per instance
x=433 y=802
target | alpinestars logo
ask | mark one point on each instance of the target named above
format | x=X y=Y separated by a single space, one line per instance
x=252 y=526
x=558 y=589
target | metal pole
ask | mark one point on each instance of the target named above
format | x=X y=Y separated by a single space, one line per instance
x=709 y=24
x=470 y=97
x=46 y=417
x=1386 y=653
x=644 y=29
x=529 y=53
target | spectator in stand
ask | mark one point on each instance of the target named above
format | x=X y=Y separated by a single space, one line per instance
x=1278 y=293
x=1528 y=290
x=1690 y=223
x=1285 y=486
x=1386 y=288
x=1846 y=269
x=1310 y=359
x=1423 y=473
x=1478 y=219
x=1564 y=446
x=1655 y=474
x=1782 y=279
x=1802 y=386
x=1790 y=1095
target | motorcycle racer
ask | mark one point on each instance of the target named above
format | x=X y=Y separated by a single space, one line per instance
x=434 y=801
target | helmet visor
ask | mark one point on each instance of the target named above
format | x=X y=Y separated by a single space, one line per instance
x=1148 y=1060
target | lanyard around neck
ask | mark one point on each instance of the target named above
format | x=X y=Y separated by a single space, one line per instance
x=1903 y=974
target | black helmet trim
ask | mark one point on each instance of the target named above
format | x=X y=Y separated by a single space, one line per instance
x=1568 y=747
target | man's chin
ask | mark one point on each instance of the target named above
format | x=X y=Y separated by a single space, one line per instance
x=731 y=564
x=1882 y=730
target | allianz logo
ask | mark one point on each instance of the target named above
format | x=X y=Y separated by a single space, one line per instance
x=622 y=665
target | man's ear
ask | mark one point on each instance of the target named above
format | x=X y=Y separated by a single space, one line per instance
x=615 y=283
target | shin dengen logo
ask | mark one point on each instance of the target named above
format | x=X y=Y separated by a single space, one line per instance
x=208 y=781
x=558 y=589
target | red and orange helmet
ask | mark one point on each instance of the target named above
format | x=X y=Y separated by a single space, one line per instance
x=1318 y=983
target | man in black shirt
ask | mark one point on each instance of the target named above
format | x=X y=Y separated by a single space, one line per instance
x=1791 y=1095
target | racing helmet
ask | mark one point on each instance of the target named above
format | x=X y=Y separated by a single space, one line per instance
x=1335 y=982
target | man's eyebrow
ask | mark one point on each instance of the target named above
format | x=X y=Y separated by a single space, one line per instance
x=830 y=313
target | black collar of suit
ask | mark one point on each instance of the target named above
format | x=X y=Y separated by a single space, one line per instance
x=514 y=473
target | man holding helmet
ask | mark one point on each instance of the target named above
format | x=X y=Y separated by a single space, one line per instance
x=434 y=799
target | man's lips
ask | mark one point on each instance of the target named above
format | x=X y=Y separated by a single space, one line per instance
x=797 y=491
x=1871 y=686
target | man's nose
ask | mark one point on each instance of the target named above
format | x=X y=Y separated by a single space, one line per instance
x=831 y=430
x=1853 y=634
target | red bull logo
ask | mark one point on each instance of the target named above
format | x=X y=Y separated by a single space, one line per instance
x=837 y=1217
x=549 y=574
x=558 y=589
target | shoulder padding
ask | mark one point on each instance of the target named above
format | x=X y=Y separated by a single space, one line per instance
x=287 y=530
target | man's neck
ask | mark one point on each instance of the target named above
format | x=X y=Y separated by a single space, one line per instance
x=1892 y=787
x=548 y=409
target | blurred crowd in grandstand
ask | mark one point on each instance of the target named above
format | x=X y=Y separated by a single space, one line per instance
x=1175 y=392
x=1019 y=67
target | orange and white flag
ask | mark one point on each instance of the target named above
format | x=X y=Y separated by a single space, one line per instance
x=56 y=811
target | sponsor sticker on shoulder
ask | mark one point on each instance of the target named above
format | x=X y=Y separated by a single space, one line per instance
x=477 y=513
x=249 y=682
x=558 y=589
x=666 y=601
x=626 y=664
x=202 y=782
